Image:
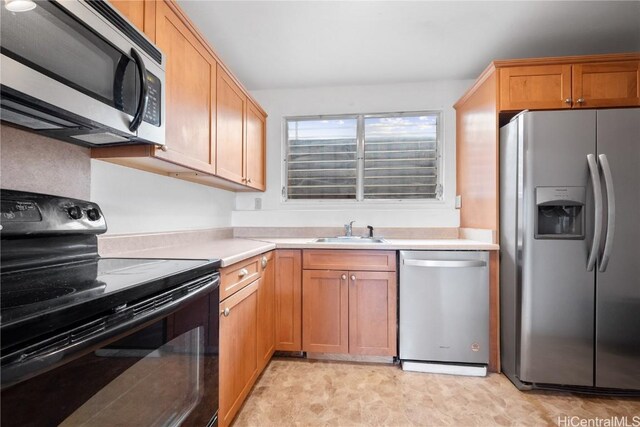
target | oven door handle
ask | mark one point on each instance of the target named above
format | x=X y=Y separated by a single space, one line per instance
x=28 y=362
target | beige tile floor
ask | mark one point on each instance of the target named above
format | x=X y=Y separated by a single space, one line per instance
x=312 y=393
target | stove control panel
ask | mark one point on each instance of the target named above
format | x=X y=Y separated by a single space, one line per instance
x=34 y=214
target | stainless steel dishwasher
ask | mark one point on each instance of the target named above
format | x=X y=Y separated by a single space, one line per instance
x=444 y=311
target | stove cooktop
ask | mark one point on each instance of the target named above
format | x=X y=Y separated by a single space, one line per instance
x=39 y=301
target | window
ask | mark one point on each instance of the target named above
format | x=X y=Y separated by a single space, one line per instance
x=363 y=157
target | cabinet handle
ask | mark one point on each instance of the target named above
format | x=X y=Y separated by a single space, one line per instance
x=567 y=101
x=243 y=272
x=344 y=277
x=353 y=277
x=264 y=261
x=225 y=312
x=580 y=100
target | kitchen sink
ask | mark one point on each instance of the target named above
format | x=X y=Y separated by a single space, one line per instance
x=350 y=239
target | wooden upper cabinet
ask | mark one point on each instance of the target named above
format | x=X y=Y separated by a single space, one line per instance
x=372 y=313
x=288 y=300
x=536 y=87
x=215 y=133
x=132 y=9
x=614 y=84
x=325 y=311
x=255 y=148
x=230 y=142
x=190 y=94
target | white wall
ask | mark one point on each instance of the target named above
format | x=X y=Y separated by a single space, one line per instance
x=135 y=201
x=434 y=95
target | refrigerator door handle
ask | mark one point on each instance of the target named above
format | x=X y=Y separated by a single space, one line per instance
x=597 y=223
x=611 y=212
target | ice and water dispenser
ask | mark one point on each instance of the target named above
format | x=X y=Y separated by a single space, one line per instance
x=560 y=212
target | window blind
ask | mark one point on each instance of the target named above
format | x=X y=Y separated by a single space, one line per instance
x=391 y=156
x=401 y=157
x=322 y=159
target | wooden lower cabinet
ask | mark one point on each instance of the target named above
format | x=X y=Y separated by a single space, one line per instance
x=266 y=311
x=372 y=313
x=288 y=289
x=239 y=366
x=325 y=311
x=349 y=312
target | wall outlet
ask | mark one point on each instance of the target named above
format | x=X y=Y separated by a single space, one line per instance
x=458 y=202
x=257 y=203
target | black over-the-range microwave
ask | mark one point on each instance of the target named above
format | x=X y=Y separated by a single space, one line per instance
x=79 y=71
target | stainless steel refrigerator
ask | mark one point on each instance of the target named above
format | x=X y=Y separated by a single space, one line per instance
x=570 y=249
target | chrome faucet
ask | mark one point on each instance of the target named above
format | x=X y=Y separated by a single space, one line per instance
x=348 y=229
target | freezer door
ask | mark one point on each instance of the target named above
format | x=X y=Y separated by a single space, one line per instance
x=618 y=286
x=557 y=291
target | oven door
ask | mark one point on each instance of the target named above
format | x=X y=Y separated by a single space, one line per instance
x=72 y=57
x=164 y=374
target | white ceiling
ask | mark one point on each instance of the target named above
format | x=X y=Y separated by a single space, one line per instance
x=289 y=44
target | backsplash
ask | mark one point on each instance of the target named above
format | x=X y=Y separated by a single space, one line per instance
x=30 y=162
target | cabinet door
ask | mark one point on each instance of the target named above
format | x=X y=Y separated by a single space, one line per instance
x=256 y=148
x=230 y=119
x=238 y=349
x=325 y=311
x=132 y=9
x=289 y=300
x=537 y=87
x=190 y=90
x=266 y=311
x=615 y=84
x=372 y=313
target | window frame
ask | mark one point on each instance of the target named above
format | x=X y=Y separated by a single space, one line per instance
x=360 y=137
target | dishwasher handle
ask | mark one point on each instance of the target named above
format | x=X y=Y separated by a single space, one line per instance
x=444 y=263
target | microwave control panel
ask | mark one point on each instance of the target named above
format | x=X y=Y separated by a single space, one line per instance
x=152 y=113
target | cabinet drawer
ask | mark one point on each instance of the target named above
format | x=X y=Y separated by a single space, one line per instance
x=237 y=276
x=360 y=260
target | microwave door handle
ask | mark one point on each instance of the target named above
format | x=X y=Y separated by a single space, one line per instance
x=144 y=92
x=597 y=222
x=611 y=212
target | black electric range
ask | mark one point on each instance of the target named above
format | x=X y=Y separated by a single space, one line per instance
x=63 y=308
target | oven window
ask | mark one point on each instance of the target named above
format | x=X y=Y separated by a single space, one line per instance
x=162 y=375
x=56 y=44
x=159 y=389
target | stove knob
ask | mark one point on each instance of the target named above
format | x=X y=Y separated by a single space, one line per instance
x=93 y=214
x=75 y=212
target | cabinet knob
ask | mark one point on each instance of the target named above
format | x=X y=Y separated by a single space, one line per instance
x=225 y=312
x=264 y=261
x=353 y=277
x=249 y=181
x=344 y=277
x=163 y=147
x=580 y=100
x=243 y=272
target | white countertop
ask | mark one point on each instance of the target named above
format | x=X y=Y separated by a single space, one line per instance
x=389 y=244
x=230 y=251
